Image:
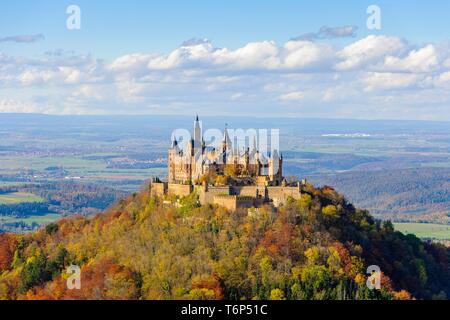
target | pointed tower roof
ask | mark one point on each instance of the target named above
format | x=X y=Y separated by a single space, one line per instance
x=175 y=145
x=275 y=154
x=254 y=144
x=197 y=133
x=226 y=138
x=174 y=142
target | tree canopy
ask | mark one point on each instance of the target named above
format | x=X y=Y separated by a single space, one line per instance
x=145 y=247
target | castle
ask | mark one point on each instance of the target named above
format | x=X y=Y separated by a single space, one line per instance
x=225 y=174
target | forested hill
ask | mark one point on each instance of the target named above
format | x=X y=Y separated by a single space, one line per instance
x=421 y=194
x=145 y=248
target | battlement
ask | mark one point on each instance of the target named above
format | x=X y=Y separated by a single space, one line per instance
x=231 y=197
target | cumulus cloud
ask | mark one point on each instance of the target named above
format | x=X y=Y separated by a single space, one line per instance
x=369 y=51
x=421 y=60
x=134 y=62
x=25 y=38
x=256 y=77
x=329 y=33
x=264 y=55
x=59 y=75
x=205 y=55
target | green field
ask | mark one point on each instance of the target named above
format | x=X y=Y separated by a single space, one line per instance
x=40 y=219
x=88 y=170
x=425 y=230
x=19 y=197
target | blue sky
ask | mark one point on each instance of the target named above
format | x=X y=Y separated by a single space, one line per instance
x=112 y=28
x=125 y=46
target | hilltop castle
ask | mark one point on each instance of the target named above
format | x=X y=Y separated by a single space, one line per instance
x=226 y=174
x=197 y=160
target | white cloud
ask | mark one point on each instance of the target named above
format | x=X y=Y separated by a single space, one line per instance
x=131 y=62
x=36 y=76
x=292 y=96
x=388 y=81
x=341 y=92
x=306 y=54
x=369 y=51
x=186 y=56
x=236 y=96
x=262 y=76
x=265 y=55
x=421 y=60
x=443 y=80
x=91 y=92
x=9 y=105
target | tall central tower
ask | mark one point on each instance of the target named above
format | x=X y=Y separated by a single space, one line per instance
x=197 y=134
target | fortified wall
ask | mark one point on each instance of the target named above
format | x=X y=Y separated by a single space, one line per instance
x=231 y=197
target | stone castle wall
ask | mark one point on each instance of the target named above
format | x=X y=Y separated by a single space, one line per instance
x=206 y=194
x=277 y=192
x=158 y=189
x=279 y=195
x=233 y=202
x=230 y=197
x=249 y=191
x=181 y=190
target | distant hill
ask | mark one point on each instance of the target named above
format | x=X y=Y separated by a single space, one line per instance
x=421 y=194
x=145 y=248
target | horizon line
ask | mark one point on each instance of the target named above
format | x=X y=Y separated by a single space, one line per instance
x=219 y=115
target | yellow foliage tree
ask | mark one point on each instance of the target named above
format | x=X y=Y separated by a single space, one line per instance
x=221 y=180
x=230 y=170
x=330 y=211
x=277 y=294
x=312 y=255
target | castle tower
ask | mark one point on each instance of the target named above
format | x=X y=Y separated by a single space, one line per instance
x=274 y=171
x=258 y=164
x=197 y=134
x=227 y=147
x=172 y=156
x=247 y=160
x=280 y=168
x=197 y=152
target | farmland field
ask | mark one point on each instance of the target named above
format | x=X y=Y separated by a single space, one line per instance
x=19 y=197
x=425 y=230
x=39 y=219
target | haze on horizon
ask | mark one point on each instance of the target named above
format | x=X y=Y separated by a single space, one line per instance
x=289 y=59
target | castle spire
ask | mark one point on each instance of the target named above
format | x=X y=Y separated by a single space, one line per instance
x=197 y=134
x=275 y=154
x=226 y=138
